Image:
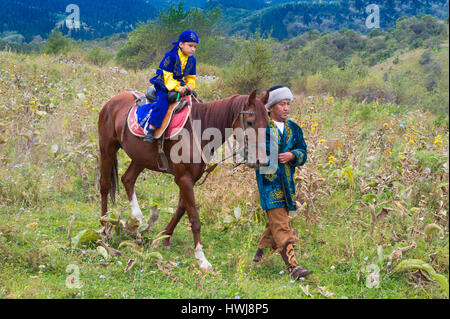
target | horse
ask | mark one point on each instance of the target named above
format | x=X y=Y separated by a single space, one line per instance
x=238 y=111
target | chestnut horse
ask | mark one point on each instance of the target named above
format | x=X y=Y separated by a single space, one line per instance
x=244 y=111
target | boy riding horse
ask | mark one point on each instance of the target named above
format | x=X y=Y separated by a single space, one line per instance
x=176 y=72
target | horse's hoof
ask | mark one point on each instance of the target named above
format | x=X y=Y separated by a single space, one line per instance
x=166 y=243
x=205 y=266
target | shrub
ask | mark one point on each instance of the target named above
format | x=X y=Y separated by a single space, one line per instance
x=425 y=58
x=430 y=83
x=57 y=43
x=98 y=56
x=371 y=89
x=252 y=68
x=316 y=84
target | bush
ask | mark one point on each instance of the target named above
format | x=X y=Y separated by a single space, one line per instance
x=252 y=68
x=98 y=56
x=57 y=43
x=372 y=89
x=430 y=83
x=425 y=58
x=316 y=84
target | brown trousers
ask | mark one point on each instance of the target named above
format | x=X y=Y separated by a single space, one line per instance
x=278 y=232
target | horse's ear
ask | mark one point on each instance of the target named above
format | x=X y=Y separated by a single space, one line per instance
x=265 y=97
x=252 y=97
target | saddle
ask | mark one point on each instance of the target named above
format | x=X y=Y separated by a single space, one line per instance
x=174 y=121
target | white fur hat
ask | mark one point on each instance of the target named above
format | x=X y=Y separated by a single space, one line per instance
x=277 y=94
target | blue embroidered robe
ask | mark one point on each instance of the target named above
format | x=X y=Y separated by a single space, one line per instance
x=277 y=189
x=170 y=63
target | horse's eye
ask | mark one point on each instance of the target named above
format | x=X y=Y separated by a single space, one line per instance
x=249 y=123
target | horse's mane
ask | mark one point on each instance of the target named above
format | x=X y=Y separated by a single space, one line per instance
x=219 y=112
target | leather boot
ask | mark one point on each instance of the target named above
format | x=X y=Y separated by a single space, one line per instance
x=288 y=255
x=149 y=138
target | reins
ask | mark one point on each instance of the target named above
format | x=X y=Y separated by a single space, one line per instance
x=211 y=168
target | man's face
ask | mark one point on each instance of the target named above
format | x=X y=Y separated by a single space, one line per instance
x=280 y=111
x=188 y=48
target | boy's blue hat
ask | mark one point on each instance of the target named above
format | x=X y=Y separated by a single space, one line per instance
x=187 y=36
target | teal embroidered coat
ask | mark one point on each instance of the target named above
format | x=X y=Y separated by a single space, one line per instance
x=277 y=188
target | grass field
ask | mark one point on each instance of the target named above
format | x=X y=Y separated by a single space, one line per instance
x=373 y=193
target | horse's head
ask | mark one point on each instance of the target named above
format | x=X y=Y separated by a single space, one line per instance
x=250 y=128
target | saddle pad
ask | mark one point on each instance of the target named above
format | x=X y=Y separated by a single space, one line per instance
x=172 y=123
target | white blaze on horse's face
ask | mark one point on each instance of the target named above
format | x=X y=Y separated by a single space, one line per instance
x=135 y=209
x=204 y=263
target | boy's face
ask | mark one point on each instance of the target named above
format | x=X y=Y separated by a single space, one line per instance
x=188 y=48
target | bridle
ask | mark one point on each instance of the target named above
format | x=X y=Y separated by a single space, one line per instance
x=240 y=116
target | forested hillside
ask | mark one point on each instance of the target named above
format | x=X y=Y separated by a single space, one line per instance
x=294 y=18
x=23 y=21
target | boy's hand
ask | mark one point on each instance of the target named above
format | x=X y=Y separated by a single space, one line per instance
x=189 y=88
x=181 y=90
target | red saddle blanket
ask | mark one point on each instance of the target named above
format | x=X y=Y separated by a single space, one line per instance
x=173 y=122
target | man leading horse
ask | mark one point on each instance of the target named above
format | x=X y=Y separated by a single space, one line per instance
x=277 y=189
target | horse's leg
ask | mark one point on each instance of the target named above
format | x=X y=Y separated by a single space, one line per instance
x=128 y=180
x=173 y=222
x=186 y=185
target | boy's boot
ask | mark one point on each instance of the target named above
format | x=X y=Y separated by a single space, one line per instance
x=288 y=255
x=149 y=138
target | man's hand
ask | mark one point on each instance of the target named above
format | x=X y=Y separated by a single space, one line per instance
x=181 y=90
x=189 y=88
x=285 y=157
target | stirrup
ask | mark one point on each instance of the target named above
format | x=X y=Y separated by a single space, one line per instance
x=149 y=138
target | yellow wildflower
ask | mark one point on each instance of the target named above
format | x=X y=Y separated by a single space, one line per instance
x=331 y=159
x=438 y=140
x=321 y=141
x=330 y=99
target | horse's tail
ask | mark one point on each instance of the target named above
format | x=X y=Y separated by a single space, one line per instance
x=114 y=180
x=108 y=157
